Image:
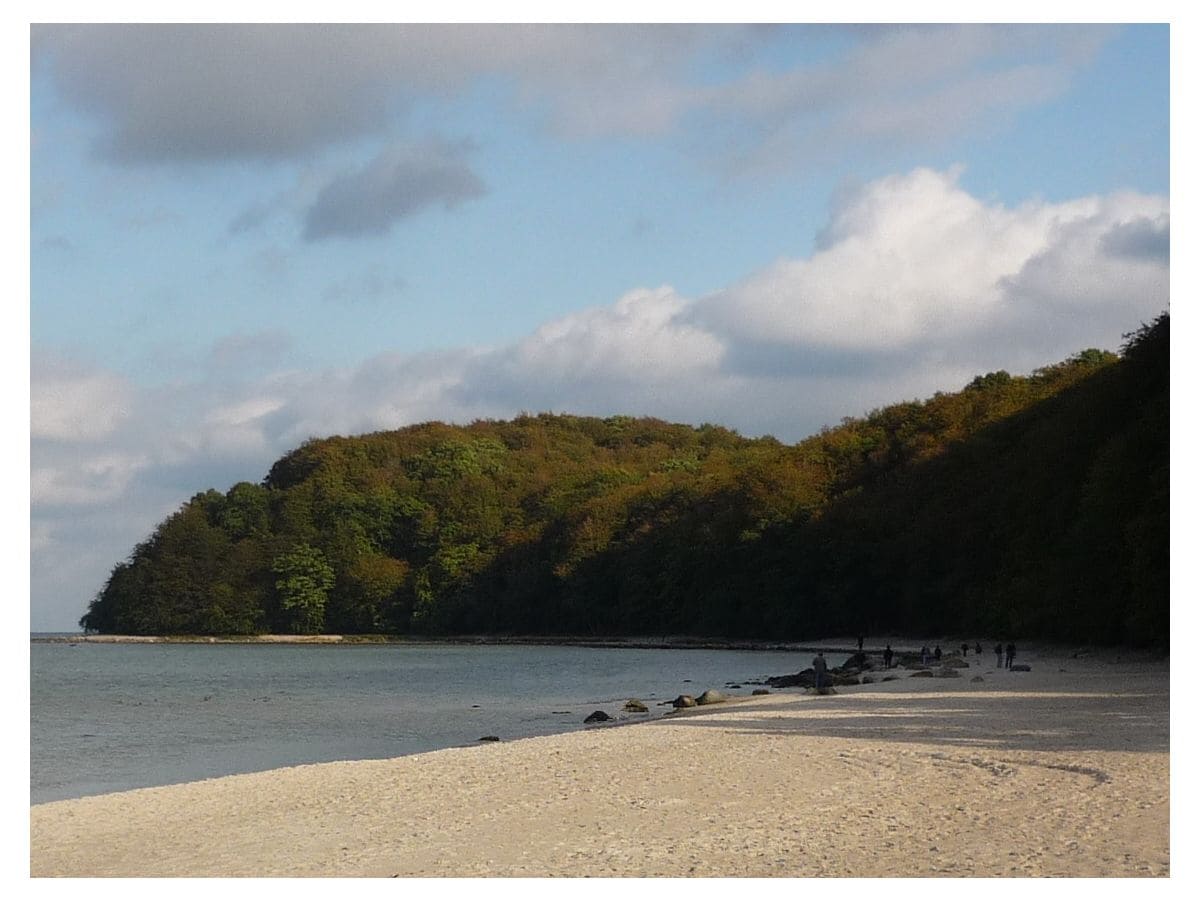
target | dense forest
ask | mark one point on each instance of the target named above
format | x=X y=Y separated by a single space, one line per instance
x=1030 y=506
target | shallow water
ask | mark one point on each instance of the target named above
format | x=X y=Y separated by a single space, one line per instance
x=110 y=717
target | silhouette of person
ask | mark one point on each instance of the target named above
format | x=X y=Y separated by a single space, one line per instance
x=924 y=654
x=1009 y=652
x=978 y=648
x=963 y=646
x=937 y=652
x=999 y=654
x=887 y=656
x=860 y=643
x=819 y=669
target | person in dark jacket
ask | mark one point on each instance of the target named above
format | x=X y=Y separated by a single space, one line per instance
x=887 y=656
x=999 y=655
x=1009 y=652
x=819 y=670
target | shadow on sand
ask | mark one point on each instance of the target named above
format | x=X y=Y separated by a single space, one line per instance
x=1133 y=720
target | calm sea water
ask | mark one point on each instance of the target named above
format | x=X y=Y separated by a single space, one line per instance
x=110 y=717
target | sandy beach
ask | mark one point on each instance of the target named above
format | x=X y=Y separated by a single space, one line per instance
x=1060 y=771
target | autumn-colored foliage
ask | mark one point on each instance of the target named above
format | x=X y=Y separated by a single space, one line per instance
x=1031 y=506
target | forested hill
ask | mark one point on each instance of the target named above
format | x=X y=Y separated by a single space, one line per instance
x=1020 y=506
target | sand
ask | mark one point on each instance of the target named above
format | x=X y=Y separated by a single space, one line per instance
x=1061 y=771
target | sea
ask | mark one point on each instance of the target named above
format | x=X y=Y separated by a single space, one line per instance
x=116 y=716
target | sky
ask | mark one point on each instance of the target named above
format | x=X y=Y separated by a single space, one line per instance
x=243 y=236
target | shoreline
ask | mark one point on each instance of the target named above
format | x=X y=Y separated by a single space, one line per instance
x=1060 y=771
x=901 y=644
x=633 y=643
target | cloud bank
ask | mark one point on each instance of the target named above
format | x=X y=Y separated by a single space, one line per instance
x=916 y=286
x=222 y=93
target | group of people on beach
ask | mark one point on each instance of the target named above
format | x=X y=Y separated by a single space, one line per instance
x=1007 y=652
x=1004 y=655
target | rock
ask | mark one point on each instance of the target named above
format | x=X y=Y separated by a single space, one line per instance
x=489 y=737
x=758 y=692
x=956 y=662
x=891 y=677
x=948 y=673
x=867 y=679
x=635 y=706
x=1020 y=668
x=841 y=680
x=683 y=701
x=733 y=686
x=710 y=697
x=921 y=673
x=800 y=679
x=598 y=716
x=977 y=678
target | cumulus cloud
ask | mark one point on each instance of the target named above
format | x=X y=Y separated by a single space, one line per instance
x=912 y=262
x=401 y=181
x=916 y=286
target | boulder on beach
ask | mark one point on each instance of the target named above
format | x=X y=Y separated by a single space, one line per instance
x=758 y=692
x=635 y=706
x=977 y=678
x=683 y=700
x=800 y=679
x=956 y=662
x=598 y=716
x=922 y=673
x=710 y=696
x=841 y=679
x=489 y=737
x=857 y=661
x=1020 y=668
x=945 y=672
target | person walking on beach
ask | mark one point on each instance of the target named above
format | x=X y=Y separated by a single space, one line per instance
x=924 y=654
x=1009 y=652
x=999 y=655
x=860 y=643
x=978 y=648
x=887 y=656
x=937 y=652
x=819 y=669
x=964 y=649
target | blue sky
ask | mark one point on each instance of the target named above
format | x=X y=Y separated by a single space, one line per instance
x=242 y=237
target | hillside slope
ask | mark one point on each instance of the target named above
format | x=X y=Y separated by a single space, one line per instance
x=1032 y=506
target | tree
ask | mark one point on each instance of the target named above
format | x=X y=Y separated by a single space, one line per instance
x=303 y=580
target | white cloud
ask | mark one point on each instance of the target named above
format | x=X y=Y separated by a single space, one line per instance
x=640 y=336
x=84 y=480
x=71 y=404
x=913 y=261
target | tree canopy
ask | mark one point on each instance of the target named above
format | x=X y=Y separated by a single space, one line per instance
x=1022 y=505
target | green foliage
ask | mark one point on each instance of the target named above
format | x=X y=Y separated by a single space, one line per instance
x=303 y=579
x=1032 y=506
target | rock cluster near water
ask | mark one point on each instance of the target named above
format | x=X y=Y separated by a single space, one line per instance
x=856 y=666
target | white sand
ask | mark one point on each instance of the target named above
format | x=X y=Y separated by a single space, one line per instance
x=1042 y=773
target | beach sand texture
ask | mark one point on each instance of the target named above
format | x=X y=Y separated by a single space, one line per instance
x=1061 y=771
